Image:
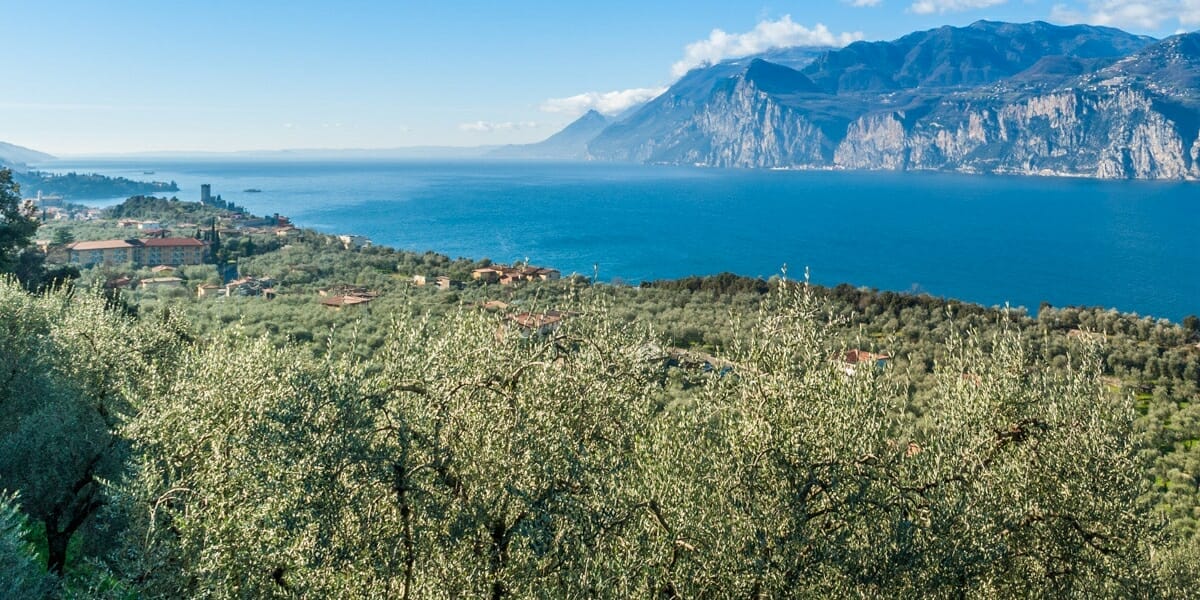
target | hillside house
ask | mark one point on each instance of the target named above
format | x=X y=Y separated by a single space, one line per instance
x=208 y=290
x=852 y=360
x=541 y=324
x=250 y=286
x=354 y=242
x=340 y=302
x=506 y=275
x=138 y=252
x=486 y=275
x=118 y=283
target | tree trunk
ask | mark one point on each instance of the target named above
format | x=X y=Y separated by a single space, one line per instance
x=56 y=548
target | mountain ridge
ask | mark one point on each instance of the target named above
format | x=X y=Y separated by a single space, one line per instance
x=12 y=155
x=991 y=97
x=570 y=143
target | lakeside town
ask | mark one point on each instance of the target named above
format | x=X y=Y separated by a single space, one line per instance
x=154 y=256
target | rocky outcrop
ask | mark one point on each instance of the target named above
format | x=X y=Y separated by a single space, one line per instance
x=749 y=129
x=1109 y=115
x=874 y=142
x=1114 y=134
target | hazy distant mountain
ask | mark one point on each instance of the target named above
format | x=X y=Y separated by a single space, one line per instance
x=405 y=153
x=14 y=156
x=990 y=97
x=570 y=143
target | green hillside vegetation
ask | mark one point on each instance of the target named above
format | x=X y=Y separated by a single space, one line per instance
x=88 y=185
x=693 y=438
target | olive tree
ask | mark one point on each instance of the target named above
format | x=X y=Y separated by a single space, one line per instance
x=65 y=363
x=796 y=475
x=470 y=457
x=20 y=574
x=460 y=461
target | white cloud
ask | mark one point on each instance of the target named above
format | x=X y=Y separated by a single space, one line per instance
x=925 y=7
x=1137 y=14
x=489 y=127
x=765 y=36
x=608 y=103
x=861 y=3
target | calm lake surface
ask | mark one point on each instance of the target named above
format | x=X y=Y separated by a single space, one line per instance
x=1134 y=246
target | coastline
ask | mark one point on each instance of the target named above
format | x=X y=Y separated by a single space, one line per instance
x=994 y=239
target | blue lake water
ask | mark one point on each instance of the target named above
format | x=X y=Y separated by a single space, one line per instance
x=992 y=240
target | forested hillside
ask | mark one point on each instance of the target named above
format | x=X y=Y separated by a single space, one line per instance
x=710 y=437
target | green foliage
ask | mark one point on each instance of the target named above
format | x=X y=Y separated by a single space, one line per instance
x=20 y=574
x=90 y=185
x=62 y=236
x=466 y=460
x=18 y=222
x=67 y=360
x=418 y=446
x=170 y=210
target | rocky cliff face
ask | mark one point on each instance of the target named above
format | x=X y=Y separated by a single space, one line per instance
x=1111 y=134
x=745 y=127
x=1128 y=108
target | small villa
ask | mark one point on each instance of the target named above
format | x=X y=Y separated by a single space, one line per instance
x=339 y=302
x=852 y=360
x=506 y=275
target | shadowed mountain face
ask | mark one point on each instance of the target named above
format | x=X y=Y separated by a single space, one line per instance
x=980 y=54
x=1027 y=98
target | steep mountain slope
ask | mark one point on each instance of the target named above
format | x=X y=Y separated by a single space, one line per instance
x=991 y=97
x=12 y=155
x=1134 y=118
x=570 y=143
x=669 y=127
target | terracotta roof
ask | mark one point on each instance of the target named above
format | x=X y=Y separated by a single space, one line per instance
x=149 y=242
x=172 y=242
x=537 y=320
x=344 y=300
x=853 y=357
x=103 y=245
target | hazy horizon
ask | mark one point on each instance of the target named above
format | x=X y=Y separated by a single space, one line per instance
x=224 y=77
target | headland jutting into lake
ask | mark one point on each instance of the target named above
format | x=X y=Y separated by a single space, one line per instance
x=985 y=239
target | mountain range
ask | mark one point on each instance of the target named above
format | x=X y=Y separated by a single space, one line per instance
x=12 y=155
x=1031 y=98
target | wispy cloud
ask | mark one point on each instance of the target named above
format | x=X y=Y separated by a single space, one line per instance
x=608 y=103
x=862 y=3
x=57 y=106
x=1140 y=14
x=925 y=7
x=489 y=126
x=781 y=33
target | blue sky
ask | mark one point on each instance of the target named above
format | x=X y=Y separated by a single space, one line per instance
x=124 y=76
